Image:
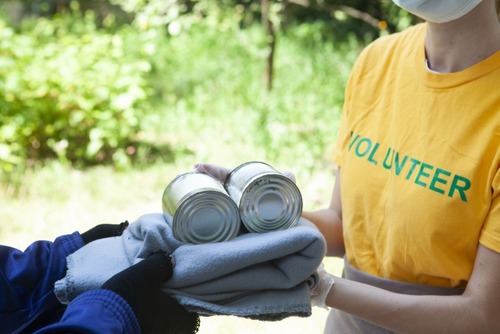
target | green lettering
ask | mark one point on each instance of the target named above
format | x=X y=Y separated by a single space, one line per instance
x=387 y=163
x=399 y=167
x=438 y=179
x=370 y=158
x=423 y=173
x=362 y=153
x=460 y=184
x=412 y=168
x=355 y=139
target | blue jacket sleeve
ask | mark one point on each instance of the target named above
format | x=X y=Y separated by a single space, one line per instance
x=27 y=279
x=96 y=311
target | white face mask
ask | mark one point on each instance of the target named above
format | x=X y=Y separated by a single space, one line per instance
x=438 y=11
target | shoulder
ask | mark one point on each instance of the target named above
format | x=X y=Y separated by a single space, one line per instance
x=389 y=53
x=396 y=44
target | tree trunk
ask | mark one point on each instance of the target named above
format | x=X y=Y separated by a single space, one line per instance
x=271 y=44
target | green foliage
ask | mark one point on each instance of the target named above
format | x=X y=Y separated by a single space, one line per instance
x=188 y=87
x=68 y=91
x=302 y=121
x=215 y=83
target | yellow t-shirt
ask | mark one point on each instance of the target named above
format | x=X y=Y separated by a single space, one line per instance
x=419 y=155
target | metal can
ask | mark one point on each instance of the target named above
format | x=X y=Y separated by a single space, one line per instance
x=267 y=199
x=201 y=209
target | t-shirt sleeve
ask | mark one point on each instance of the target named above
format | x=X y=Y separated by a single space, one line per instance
x=490 y=235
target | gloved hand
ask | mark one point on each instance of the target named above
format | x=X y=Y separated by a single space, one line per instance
x=320 y=291
x=220 y=173
x=104 y=231
x=217 y=172
x=140 y=286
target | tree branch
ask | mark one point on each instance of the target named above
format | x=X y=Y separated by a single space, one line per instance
x=351 y=11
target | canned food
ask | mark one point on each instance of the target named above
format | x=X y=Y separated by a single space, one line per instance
x=201 y=209
x=267 y=199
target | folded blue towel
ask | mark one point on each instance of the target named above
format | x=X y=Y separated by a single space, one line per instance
x=259 y=276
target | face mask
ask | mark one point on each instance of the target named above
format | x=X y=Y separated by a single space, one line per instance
x=438 y=11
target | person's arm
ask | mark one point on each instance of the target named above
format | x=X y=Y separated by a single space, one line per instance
x=27 y=277
x=131 y=301
x=475 y=311
x=96 y=311
x=329 y=221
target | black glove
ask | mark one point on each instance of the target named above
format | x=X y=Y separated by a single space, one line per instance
x=104 y=231
x=140 y=286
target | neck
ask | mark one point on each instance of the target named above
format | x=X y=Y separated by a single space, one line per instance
x=459 y=44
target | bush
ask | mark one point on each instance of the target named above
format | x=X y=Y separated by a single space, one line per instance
x=84 y=96
x=68 y=91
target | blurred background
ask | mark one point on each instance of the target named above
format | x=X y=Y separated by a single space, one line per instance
x=104 y=102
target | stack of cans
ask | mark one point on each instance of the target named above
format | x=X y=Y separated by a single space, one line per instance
x=254 y=194
x=201 y=209
x=267 y=199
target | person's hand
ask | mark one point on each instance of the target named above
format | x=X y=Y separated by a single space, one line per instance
x=290 y=175
x=220 y=173
x=140 y=285
x=320 y=291
x=104 y=231
x=217 y=172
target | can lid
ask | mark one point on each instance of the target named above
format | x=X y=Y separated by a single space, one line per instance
x=207 y=216
x=271 y=202
x=270 y=205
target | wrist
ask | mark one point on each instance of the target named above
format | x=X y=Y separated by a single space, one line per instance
x=320 y=293
x=329 y=292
